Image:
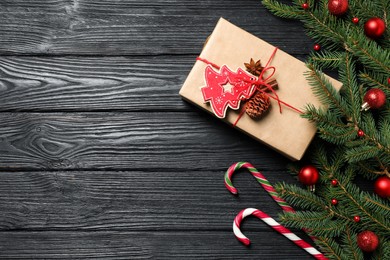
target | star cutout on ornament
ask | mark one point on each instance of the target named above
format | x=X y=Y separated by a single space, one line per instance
x=228 y=87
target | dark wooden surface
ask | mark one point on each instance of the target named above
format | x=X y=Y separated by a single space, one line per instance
x=99 y=156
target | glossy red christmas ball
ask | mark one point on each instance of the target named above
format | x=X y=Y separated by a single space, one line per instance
x=355 y=20
x=338 y=7
x=382 y=187
x=356 y=219
x=317 y=47
x=367 y=241
x=360 y=133
x=374 y=98
x=334 y=202
x=374 y=27
x=388 y=81
x=334 y=183
x=308 y=175
x=305 y=6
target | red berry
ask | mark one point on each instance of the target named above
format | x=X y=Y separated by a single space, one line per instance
x=334 y=183
x=360 y=133
x=305 y=6
x=317 y=47
x=355 y=20
x=356 y=219
x=334 y=202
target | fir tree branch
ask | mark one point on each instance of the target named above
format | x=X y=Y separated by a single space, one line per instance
x=362 y=209
x=330 y=247
x=282 y=10
x=323 y=89
x=373 y=82
x=352 y=248
x=379 y=205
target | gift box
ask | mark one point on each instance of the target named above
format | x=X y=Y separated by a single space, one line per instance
x=220 y=66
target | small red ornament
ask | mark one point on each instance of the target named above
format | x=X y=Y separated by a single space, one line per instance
x=334 y=202
x=334 y=183
x=360 y=133
x=338 y=7
x=317 y=47
x=305 y=6
x=308 y=175
x=367 y=241
x=356 y=219
x=382 y=187
x=374 y=27
x=388 y=81
x=355 y=20
x=374 y=98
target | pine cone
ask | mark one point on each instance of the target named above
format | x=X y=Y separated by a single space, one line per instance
x=257 y=105
x=253 y=67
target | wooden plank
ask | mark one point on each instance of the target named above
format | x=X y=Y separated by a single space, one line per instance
x=131 y=27
x=158 y=140
x=93 y=83
x=131 y=200
x=146 y=245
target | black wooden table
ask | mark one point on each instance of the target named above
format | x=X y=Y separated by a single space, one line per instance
x=99 y=156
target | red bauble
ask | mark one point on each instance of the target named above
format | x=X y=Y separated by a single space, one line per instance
x=374 y=98
x=388 y=81
x=334 y=183
x=367 y=241
x=338 y=7
x=317 y=47
x=305 y=6
x=356 y=219
x=355 y=20
x=374 y=27
x=308 y=175
x=334 y=202
x=360 y=133
x=382 y=187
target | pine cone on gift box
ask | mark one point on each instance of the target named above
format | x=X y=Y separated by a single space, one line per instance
x=257 y=105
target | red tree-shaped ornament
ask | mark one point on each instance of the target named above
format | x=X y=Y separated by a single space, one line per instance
x=227 y=88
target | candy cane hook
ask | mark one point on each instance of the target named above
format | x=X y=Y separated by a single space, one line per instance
x=267 y=219
x=275 y=225
x=260 y=178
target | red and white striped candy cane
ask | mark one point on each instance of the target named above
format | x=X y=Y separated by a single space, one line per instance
x=275 y=225
x=261 y=215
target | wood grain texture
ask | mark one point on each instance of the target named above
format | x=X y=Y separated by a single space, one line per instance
x=144 y=245
x=131 y=200
x=99 y=156
x=140 y=140
x=94 y=83
x=87 y=27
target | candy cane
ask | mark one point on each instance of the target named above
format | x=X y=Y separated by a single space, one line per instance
x=275 y=225
x=260 y=178
x=263 y=216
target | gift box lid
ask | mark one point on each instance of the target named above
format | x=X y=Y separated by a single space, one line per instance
x=285 y=132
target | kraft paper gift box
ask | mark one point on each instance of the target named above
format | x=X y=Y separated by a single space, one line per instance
x=284 y=131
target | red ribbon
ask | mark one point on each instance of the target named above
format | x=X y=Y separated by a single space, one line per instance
x=259 y=82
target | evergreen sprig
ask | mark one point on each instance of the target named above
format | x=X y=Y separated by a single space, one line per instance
x=340 y=154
